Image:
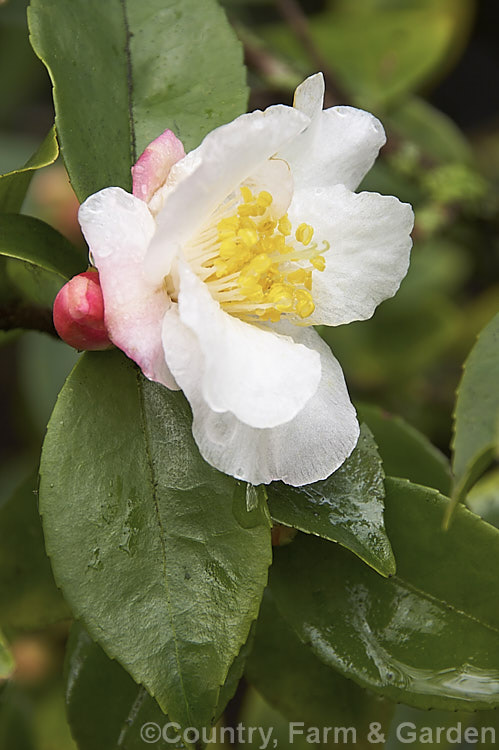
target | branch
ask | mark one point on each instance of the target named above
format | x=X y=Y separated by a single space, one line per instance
x=30 y=317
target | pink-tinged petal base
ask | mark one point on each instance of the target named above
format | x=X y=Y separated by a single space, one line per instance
x=79 y=313
x=153 y=166
x=118 y=228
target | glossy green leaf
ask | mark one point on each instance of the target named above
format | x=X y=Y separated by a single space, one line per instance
x=347 y=507
x=405 y=451
x=476 y=417
x=6 y=659
x=124 y=71
x=236 y=671
x=37 y=243
x=106 y=708
x=28 y=595
x=428 y=636
x=293 y=680
x=30 y=285
x=148 y=542
x=14 y=185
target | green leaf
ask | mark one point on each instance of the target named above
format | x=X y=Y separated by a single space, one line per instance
x=428 y=636
x=124 y=71
x=37 y=243
x=147 y=541
x=99 y=722
x=14 y=185
x=44 y=363
x=431 y=130
x=347 y=507
x=106 y=708
x=476 y=417
x=420 y=728
x=16 y=729
x=405 y=451
x=236 y=671
x=293 y=680
x=483 y=498
x=28 y=595
x=374 y=46
x=6 y=659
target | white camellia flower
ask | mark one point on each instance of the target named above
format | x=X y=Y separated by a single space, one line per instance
x=215 y=270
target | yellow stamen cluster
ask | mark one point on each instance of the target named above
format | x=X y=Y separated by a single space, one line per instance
x=259 y=269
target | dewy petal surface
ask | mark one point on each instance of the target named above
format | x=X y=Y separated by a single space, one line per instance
x=308 y=448
x=260 y=376
x=370 y=243
x=118 y=228
x=225 y=158
x=338 y=147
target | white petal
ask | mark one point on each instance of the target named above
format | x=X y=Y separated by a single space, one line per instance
x=226 y=157
x=118 y=228
x=260 y=376
x=339 y=147
x=370 y=243
x=308 y=448
x=274 y=175
x=309 y=96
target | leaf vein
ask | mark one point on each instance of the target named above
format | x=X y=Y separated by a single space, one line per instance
x=162 y=538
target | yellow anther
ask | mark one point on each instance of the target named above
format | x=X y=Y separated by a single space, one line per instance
x=248 y=236
x=304 y=304
x=304 y=234
x=272 y=315
x=284 y=225
x=221 y=268
x=281 y=296
x=318 y=262
x=247 y=194
x=246 y=209
x=231 y=222
x=257 y=269
x=267 y=226
x=276 y=244
x=297 y=277
x=264 y=199
x=226 y=234
x=259 y=265
x=246 y=223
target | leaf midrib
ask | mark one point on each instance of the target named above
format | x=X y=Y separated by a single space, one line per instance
x=441 y=603
x=161 y=537
x=128 y=56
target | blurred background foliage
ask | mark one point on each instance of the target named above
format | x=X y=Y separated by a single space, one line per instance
x=428 y=69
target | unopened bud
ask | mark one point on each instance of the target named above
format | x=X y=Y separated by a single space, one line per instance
x=79 y=313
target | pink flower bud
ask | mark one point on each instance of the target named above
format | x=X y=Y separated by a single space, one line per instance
x=79 y=313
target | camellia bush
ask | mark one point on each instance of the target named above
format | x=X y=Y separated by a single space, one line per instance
x=229 y=538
